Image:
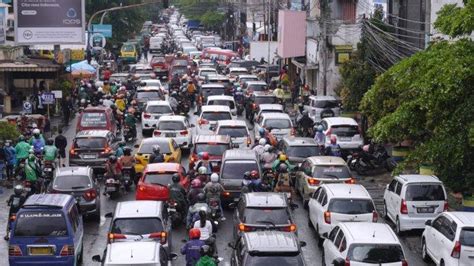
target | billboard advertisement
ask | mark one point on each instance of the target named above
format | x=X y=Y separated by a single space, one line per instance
x=49 y=22
x=104 y=29
x=291 y=33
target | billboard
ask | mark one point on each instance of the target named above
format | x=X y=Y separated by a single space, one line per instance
x=291 y=33
x=104 y=29
x=49 y=22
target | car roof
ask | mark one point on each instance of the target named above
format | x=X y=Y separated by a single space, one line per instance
x=240 y=123
x=172 y=118
x=212 y=139
x=207 y=69
x=418 y=179
x=96 y=108
x=238 y=69
x=337 y=190
x=299 y=141
x=217 y=76
x=462 y=218
x=156 y=103
x=47 y=200
x=327 y=160
x=270 y=106
x=214 y=108
x=148 y=88
x=256 y=82
x=73 y=170
x=340 y=121
x=92 y=133
x=275 y=116
x=364 y=232
x=138 y=208
x=155 y=140
x=265 y=199
x=240 y=154
x=212 y=85
x=323 y=98
x=133 y=252
x=162 y=167
x=241 y=76
x=271 y=241
x=220 y=97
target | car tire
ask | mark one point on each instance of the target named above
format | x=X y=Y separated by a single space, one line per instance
x=319 y=238
x=323 y=258
x=441 y=263
x=398 y=228
x=424 y=252
x=385 y=211
x=80 y=258
x=96 y=216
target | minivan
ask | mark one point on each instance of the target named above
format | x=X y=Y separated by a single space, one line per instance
x=97 y=118
x=47 y=230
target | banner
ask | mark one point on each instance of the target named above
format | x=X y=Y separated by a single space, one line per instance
x=104 y=29
x=49 y=22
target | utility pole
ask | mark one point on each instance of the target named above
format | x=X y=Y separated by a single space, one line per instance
x=324 y=49
x=269 y=36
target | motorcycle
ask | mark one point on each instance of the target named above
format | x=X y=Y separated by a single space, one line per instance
x=173 y=213
x=305 y=132
x=48 y=172
x=215 y=211
x=240 y=109
x=112 y=187
x=379 y=159
x=128 y=134
x=127 y=178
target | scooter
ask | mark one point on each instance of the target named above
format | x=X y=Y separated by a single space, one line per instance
x=240 y=109
x=128 y=134
x=173 y=213
x=112 y=187
x=379 y=159
x=127 y=178
x=215 y=210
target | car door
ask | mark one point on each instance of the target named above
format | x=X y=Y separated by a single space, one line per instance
x=77 y=228
x=330 y=250
x=446 y=241
x=387 y=197
x=436 y=234
x=321 y=202
x=396 y=200
x=312 y=207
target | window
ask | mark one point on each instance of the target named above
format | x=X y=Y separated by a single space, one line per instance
x=322 y=194
x=235 y=169
x=333 y=233
x=351 y=206
x=347 y=11
x=343 y=245
x=137 y=226
x=40 y=224
x=449 y=229
x=398 y=190
x=424 y=192
x=338 y=239
x=316 y=193
x=375 y=253
x=437 y=223
x=467 y=237
x=171 y=125
x=74 y=217
x=392 y=185
x=306 y=166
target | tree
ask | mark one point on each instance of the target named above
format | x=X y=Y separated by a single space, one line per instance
x=428 y=98
x=8 y=131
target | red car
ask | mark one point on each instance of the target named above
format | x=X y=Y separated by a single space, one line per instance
x=153 y=184
x=160 y=66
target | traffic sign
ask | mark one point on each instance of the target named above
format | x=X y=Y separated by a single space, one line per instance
x=47 y=97
x=104 y=29
x=97 y=41
x=27 y=107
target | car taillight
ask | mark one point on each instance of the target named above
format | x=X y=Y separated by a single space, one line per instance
x=141 y=188
x=226 y=194
x=107 y=150
x=146 y=115
x=244 y=228
x=327 y=217
x=254 y=106
x=375 y=216
x=90 y=194
x=350 y=181
x=14 y=251
x=72 y=151
x=446 y=206
x=113 y=237
x=156 y=133
x=161 y=235
x=67 y=250
x=347 y=262
x=456 y=253
x=291 y=228
x=13 y=217
x=404 y=263
x=313 y=181
x=403 y=207
x=203 y=122
x=194 y=158
x=184 y=132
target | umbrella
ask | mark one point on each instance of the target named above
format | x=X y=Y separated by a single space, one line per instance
x=82 y=66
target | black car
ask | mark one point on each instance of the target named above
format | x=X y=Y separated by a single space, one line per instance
x=297 y=149
x=92 y=148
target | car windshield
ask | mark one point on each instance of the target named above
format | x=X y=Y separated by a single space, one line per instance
x=137 y=226
x=236 y=169
x=213 y=91
x=179 y=70
x=72 y=182
x=163 y=179
x=128 y=48
x=325 y=104
x=332 y=171
x=211 y=149
x=158 y=60
x=208 y=72
x=40 y=224
x=271 y=260
x=159 y=109
x=267 y=216
x=467 y=237
x=171 y=125
x=147 y=148
x=277 y=123
x=375 y=253
x=424 y=192
x=222 y=102
x=345 y=130
x=233 y=132
x=91 y=119
x=351 y=206
x=216 y=116
x=257 y=87
x=89 y=143
x=265 y=100
x=302 y=151
x=148 y=95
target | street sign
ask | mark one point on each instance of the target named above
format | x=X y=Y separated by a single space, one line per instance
x=104 y=29
x=47 y=97
x=27 y=107
x=57 y=94
x=97 y=41
x=49 y=22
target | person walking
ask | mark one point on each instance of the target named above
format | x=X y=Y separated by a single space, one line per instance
x=10 y=158
x=61 y=143
x=67 y=106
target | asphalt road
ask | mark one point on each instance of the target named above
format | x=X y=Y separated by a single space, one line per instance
x=96 y=234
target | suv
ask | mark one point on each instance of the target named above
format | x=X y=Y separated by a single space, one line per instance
x=411 y=200
x=362 y=244
x=279 y=123
x=346 y=130
x=145 y=94
x=144 y=253
x=223 y=100
x=321 y=107
x=47 y=229
x=92 y=148
x=318 y=170
x=234 y=164
x=267 y=248
x=449 y=239
x=297 y=149
x=214 y=145
x=97 y=118
x=259 y=211
x=331 y=204
x=210 y=114
x=237 y=130
x=140 y=220
x=151 y=113
x=82 y=185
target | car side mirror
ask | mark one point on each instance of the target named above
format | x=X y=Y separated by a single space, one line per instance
x=302 y=244
x=96 y=258
x=232 y=246
x=338 y=262
x=428 y=223
x=172 y=256
x=108 y=215
x=325 y=235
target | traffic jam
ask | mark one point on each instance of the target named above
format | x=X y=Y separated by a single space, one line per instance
x=185 y=155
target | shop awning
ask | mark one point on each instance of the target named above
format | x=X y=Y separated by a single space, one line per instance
x=29 y=65
x=303 y=65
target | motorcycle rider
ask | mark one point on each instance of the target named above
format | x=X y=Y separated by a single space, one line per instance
x=196 y=189
x=214 y=190
x=120 y=149
x=37 y=141
x=131 y=121
x=22 y=149
x=10 y=158
x=192 y=248
x=117 y=115
x=320 y=137
x=175 y=81
x=113 y=168
x=204 y=162
x=128 y=161
x=260 y=148
x=282 y=159
x=204 y=225
x=50 y=152
x=191 y=90
x=201 y=204
x=283 y=180
x=202 y=174
x=246 y=181
x=156 y=156
x=178 y=194
x=333 y=149
x=173 y=100
x=32 y=172
x=120 y=102
x=268 y=156
x=206 y=257
x=15 y=202
x=305 y=123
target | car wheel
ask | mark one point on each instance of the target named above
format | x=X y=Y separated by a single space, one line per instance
x=441 y=263
x=323 y=258
x=424 y=252
x=81 y=255
x=398 y=228
x=320 y=239
x=97 y=215
x=385 y=212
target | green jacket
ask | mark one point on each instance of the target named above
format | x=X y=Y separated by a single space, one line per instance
x=130 y=121
x=276 y=163
x=50 y=152
x=22 y=150
x=31 y=171
x=206 y=261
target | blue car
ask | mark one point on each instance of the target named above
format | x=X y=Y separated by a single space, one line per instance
x=48 y=230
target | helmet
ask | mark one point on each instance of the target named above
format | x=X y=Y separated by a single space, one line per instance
x=127 y=151
x=18 y=189
x=205 y=250
x=50 y=142
x=113 y=158
x=174 y=94
x=214 y=178
x=156 y=149
x=261 y=131
x=121 y=143
x=254 y=174
x=267 y=147
x=305 y=113
x=333 y=139
x=205 y=156
x=319 y=128
x=247 y=175
x=239 y=89
x=202 y=170
x=113 y=106
x=175 y=178
x=201 y=197
x=196 y=183
x=21 y=138
x=282 y=157
x=262 y=142
x=194 y=233
x=36 y=131
x=283 y=168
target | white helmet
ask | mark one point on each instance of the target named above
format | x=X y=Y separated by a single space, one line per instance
x=36 y=131
x=267 y=147
x=262 y=142
x=214 y=178
x=202 y=170
x=100 y=89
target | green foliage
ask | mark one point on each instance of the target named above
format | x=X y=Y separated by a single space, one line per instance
x=212 y=20
x=8 y=131
x=64 y=85
x=204 y=11
x=456 y=21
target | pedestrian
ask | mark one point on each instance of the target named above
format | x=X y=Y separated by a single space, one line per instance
x=2 y=163
x=10 y=158
x=39 y=104
x=61 y=143
x=67 y=107
x=296 y=88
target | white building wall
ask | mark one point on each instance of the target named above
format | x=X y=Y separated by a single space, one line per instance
x=436 y=5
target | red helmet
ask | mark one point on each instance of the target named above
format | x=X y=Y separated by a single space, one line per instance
x=333 y=139
x=205 y=156
x=254 y=174
x=194 y=233
x=196 y=183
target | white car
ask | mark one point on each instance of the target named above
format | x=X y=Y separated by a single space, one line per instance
x=152 y=83
x=363 y=244
x=332 y=204
x=150 y=253
x=246 y=77
x=223 y=100
x=237 y=130
x=176 y=127
x=234 y=72
x=268 y=108
x=411 y=200
x=321 y=107
x=152 y=111
x=210 y=114
x=449 y=239
x=279 y=123
x=203 y=72
x=345 y=129
x=155 y=44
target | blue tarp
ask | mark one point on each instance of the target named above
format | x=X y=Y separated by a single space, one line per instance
x=81 y=66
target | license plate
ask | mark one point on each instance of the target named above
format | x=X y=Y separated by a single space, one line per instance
x=48 y=169
x=27 y=189
x=37 y=251
x=110 y=189
x=236 y=199
x=89 y=156
x=169 y=135
x=171 y=209
x=345 y=138
x=425 y=210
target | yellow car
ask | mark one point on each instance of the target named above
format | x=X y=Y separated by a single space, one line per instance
x=128 y=53
x=168 y=147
